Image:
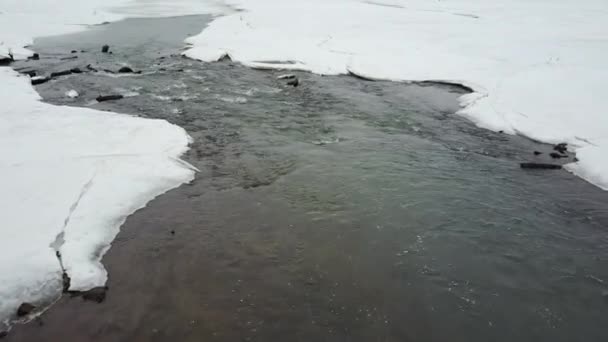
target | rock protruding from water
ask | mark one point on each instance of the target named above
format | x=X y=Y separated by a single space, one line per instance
x=537 y=153
x=61 y=73
x=103 y=98
x=540 y=166
x=96 y=294
x=125 y=70
x=35 y=57
x=25 y=309
x=294 y=83
x=105 y=48
x=4 y=61
x=39 y=80
x=225 y=58
x=556 y=155
x=561 y=148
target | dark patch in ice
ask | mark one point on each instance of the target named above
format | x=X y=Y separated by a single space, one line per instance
x=25 y=309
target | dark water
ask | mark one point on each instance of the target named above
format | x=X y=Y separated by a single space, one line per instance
x=341 y=210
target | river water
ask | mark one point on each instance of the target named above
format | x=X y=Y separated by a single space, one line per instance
x=340 y=210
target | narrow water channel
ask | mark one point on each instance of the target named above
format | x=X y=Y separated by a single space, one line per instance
x=339 y=210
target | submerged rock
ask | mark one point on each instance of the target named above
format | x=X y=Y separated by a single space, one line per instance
x=540 y=166
x=96 y=294
x=103 y=98
x=61 y=73
x=25 y=309
x=91 y=68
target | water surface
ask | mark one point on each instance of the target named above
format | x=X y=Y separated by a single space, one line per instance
x=340 y=210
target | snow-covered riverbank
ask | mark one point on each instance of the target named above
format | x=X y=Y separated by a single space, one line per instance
x=538 y=68
x=70 y=176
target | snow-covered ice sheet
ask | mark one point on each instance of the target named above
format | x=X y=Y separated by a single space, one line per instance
x=70 y=176
x=539 y=68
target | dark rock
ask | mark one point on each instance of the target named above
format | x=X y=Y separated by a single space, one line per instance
x=35 y=57
x=295 y=82
x=4 y=61
x=111 y=52
x=541 y=166
x=40 y=80
x=180 y=70
x=89 y=67
x=60 y=73
x=105 y=48
x=30 y=73
x=537 y=153
x=25 y=309
x=103 y=98
x=68 y=58
x=555 y=155
x=172 y=232
x=3 y=334
x=125 y=69
x=561 y=148
x=76 y=71
x=96 y=294
x=66 y=282
x=225 y=58
x=501 y=132
x=74 y=51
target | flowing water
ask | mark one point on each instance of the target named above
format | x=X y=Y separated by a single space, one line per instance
x=339 y=210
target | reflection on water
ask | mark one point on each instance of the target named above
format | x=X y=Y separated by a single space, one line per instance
x=340 y=210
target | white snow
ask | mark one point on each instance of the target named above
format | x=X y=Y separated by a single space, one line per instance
x=72 y=94
x=70 y=176
x=539 y=68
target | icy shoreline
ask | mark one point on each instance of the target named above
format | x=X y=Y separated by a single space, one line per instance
x=538 y=70
x=71 y=176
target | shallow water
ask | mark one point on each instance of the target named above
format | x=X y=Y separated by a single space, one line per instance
x=340 y=210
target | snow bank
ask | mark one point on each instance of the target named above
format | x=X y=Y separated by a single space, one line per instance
x=70 y=176
x=539 y=68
